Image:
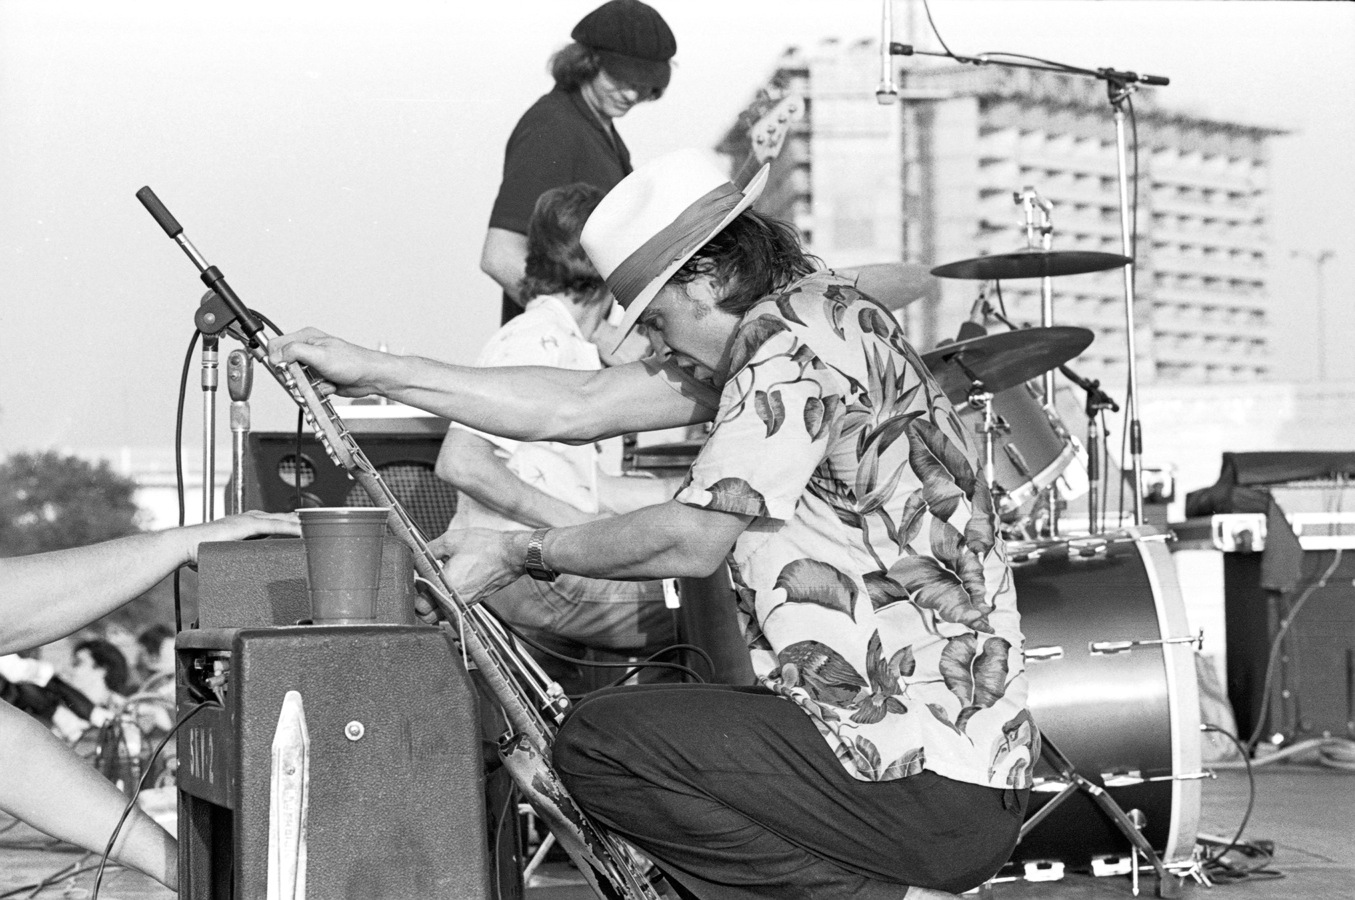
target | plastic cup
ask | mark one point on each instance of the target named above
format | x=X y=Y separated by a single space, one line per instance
x=343 y=562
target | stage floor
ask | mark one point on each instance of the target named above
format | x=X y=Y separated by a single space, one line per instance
x=1308 y=812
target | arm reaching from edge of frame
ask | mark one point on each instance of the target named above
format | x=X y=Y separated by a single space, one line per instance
x=46 y=596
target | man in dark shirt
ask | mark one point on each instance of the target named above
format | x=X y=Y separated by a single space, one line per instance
x=620 y=57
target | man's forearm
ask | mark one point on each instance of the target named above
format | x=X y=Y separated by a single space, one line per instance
x=665 y=541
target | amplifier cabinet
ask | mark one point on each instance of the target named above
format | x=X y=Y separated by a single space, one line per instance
x=1313 y=688
x=397 y=800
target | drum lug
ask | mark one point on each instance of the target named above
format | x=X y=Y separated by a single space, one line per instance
x=1051 y=653
x=1108 y=648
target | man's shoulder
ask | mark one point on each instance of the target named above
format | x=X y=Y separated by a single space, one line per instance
x=801 y=304
x=539 y=333
x=553 y=109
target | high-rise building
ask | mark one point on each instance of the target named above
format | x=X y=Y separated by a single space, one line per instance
x=933 y=179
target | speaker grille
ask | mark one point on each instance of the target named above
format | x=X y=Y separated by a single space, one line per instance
x=429 y=500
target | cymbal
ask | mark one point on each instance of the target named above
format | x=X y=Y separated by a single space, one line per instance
x=1005 y=359
x=894 y=284
x=1031 y=264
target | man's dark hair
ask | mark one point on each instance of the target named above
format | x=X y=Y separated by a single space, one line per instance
x=755 y=255
x=573 y=66
x=153 y=636
x=110 y=659
x=556 y=263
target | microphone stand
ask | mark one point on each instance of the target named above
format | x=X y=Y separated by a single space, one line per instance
x=1120 y=86
x=209 y=379
x=1097 y=401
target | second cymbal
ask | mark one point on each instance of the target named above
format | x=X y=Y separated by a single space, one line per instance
x=1004 y=359
x=1031 y=264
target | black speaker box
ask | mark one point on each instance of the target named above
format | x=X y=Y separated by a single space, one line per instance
x=249 y=584
x=404 y=452
x=1313 y=688
x=400 y=806
x=396 y=789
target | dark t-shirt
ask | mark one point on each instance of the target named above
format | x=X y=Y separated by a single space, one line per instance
x=557 y=141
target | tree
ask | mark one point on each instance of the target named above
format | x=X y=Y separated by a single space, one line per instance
x=51 y=502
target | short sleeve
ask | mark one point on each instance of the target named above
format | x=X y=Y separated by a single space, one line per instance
x=771 y=433
x=537 y=158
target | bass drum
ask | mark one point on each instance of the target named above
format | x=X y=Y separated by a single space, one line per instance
x=1112 y=685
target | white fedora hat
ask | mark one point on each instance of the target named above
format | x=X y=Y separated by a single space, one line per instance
x=655 y=220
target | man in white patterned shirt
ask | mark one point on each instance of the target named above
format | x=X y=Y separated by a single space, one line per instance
x=888 y=744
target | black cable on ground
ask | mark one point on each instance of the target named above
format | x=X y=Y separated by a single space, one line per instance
x=131 y=803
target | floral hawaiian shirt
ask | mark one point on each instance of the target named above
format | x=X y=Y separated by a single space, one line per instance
x=871 y=585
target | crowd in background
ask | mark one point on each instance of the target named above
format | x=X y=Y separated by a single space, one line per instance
x=105 y=691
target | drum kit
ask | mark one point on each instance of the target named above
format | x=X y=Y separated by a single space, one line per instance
x=1108 y=651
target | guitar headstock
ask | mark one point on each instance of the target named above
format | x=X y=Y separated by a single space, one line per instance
x=768 y=134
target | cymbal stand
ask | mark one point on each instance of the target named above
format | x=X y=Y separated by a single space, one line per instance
x=1119 y=86
x=1129 y=824
x=1029 y=199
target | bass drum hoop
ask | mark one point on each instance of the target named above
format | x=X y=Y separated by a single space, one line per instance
x=1178 y=686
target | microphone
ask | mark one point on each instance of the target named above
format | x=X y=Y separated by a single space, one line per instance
x=888 y=91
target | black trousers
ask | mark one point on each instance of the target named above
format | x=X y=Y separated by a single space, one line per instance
x=734 y=793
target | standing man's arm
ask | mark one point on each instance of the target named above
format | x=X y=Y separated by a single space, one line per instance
x=504 y=258
x=473 y=466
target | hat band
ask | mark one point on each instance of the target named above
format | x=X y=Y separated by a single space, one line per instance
x=694 y=224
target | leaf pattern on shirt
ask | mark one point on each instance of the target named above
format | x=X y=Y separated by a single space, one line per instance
x=752 y=335
x=945 y=473
x=737 y=496
x=866 y=757
x=891 y=507
x=770 y=409
x=811 y=581
x=978 y=678
x=825 y=676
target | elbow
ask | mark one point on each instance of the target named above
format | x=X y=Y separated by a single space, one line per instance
x=699 y=555
x=452 y=472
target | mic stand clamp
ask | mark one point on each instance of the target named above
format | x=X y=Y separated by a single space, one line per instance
x=1097 y=402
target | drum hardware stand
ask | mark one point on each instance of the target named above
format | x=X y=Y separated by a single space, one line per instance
x=1029 y=199
x=1097 y=402
x=981 y=399
x=1168 y=883
x=239 y=382
x=1109 y=648
x=1120 y=86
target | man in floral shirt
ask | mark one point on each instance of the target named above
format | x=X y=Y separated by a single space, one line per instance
x=842 y=490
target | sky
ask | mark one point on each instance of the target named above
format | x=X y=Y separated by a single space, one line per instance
x=337 y=161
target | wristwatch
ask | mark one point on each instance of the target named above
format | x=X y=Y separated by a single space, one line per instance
x=535 y=564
